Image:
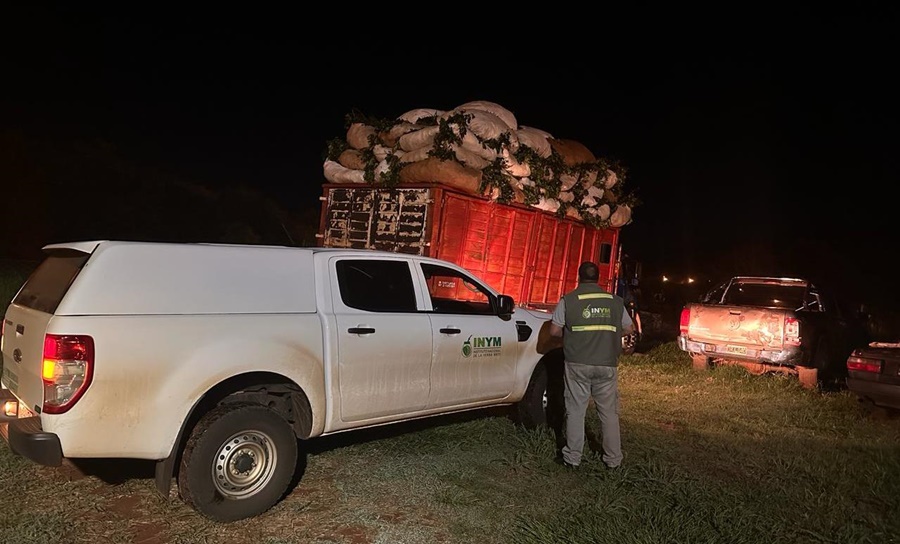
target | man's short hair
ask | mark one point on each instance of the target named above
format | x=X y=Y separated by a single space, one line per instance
x=588 y=271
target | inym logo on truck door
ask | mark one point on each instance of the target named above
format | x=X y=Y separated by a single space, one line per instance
x=481 y=346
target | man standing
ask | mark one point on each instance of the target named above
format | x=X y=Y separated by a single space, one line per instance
x=591 y=322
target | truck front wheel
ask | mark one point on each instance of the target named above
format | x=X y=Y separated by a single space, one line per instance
x=238 y=462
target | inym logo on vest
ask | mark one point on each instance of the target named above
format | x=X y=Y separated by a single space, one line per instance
x=590 y=312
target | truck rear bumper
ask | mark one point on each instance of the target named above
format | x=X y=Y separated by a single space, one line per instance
x=784 y=357
x=27 y=438
x=881 y=394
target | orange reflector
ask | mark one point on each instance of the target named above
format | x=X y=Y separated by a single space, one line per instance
x=49 y=370
x=11 y=408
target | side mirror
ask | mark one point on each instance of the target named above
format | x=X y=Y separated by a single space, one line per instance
x=505 y=305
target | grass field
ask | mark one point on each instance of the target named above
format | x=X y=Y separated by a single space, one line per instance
x=714 y=457
x=718 y=457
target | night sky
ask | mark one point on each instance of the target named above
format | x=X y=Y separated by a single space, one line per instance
x=759 y=142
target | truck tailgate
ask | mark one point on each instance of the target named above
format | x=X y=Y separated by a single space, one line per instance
x=737 y=329
x=23 y=349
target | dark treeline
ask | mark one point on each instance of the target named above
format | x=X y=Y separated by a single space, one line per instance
x=57 y=190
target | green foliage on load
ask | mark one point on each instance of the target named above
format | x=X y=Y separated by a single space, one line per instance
x=545 y=179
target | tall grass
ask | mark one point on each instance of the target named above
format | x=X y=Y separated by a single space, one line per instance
x=715 y=457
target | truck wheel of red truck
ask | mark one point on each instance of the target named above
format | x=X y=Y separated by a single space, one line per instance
x=629 y=343
x=238 y=462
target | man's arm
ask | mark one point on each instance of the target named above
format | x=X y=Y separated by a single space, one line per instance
x=558 y=319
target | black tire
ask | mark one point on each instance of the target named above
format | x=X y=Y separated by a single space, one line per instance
x=531 y=411
x=629 y=343
x=832 y=373
x=240 y=487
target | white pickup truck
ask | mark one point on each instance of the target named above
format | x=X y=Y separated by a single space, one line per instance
x=217 y=361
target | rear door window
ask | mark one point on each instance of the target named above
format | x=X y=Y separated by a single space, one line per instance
x=45 y=288
x=376 y=285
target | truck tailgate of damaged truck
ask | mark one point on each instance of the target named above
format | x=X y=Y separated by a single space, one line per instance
x=771 y=324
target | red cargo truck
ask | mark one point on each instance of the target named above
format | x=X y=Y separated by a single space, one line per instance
x=525 y=252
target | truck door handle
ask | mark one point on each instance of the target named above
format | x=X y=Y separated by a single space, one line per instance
x=361 y=330
x=450 y=331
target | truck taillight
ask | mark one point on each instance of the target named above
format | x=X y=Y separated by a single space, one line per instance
x=791 y=331
x=67 y=370
x=684 y=321
x=863 y=364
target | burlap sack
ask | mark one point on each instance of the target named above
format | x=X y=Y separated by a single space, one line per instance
x=547 y=204
x=611 y=179
x=518 y=196
x=416 y=155
x=572 y=213
x=335 y=173
x=382 y=152
x=538 y=140
x=469 y=158
x=494 y=109
x=413 y=116
x=567 y=181
x=417 y=139
x=513 y=167
x=592 y=198
x=382 y=172
x=621 y=216
x=390 y=137
x=358 y=135
x=484 y=124
x=566 y=196
x=474 y=145
x=602 y=212
x=434 y=170
x=352 y=158
x=572 y=152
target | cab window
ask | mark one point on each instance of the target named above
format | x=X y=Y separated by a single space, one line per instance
x=376 y=285
x=453 y=292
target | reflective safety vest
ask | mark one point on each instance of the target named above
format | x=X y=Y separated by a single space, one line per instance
x=593 y=332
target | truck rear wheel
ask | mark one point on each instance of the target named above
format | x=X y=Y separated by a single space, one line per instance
x=531 y=411
x=830 y=373
x=238 y=462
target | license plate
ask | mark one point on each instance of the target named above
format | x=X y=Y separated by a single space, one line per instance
x=737 y=350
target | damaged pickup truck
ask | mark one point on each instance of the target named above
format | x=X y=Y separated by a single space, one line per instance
x=771 y=324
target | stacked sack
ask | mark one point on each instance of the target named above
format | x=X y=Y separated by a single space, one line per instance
x=480 y=148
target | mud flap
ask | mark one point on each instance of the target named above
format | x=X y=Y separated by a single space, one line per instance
x=699 y=362
x=808 y=377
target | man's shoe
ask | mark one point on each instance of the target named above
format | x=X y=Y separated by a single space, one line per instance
x=563 y=463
